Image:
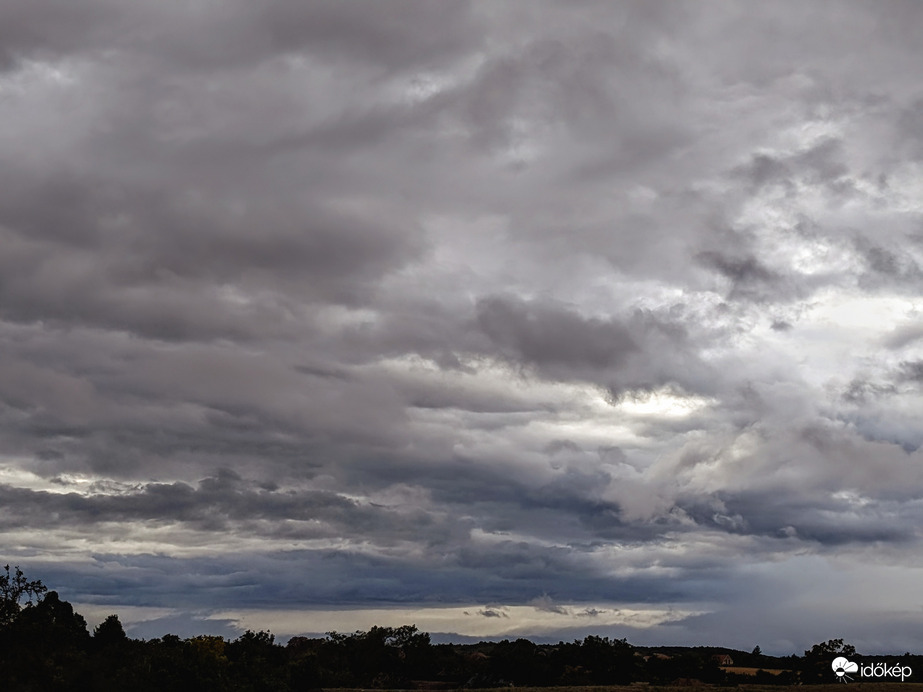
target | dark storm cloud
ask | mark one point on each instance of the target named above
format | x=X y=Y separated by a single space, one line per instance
x=903 y=335
x=293 y=579
x=375 y=303
x=860 y=390
x=214 y=501
x=821 y=164
x=911 y=371
x=889 y=265
x=221 y=504
x=765 y=170
x=487 y=613
x=152 y=253
x=829 y=524
x=166 y=270
x=554 y=338
x=556 y=446
x=641 y=351
x=50 y=29
x=749 y=278
x=184 y=33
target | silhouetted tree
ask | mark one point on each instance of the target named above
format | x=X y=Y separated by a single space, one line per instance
x=304 y=671
x=13 y=588
x=518 y=663
x=256 y=662
x=109 y=632
x=46 y=648
x=685 y=666
x=816 y=662
x=611 y=661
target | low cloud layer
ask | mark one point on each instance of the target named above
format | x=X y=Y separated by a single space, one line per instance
x=530 y=311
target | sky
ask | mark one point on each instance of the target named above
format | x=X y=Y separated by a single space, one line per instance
x=502 y=319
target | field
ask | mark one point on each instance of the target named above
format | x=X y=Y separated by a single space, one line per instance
x=742 y=670
x=636 y=687
x=833 y=687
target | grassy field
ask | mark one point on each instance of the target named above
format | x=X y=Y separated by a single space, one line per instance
x=833 y=687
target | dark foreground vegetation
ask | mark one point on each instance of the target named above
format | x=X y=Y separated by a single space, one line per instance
x=45 y=645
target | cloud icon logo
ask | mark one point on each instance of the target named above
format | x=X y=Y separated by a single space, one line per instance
x=841 y=666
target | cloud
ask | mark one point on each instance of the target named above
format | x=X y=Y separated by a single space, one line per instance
x=303 y=306
x=912 y=371
x=491 y=613
x=904 y=335
x=546 y=604
x=549 y=337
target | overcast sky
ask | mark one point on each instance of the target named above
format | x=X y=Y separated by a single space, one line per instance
x=501 y=318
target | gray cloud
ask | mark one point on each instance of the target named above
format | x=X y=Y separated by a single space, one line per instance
x=911 y=371
x=903 y=335
x=367 y=305
x=489 y=613
x=552 y=338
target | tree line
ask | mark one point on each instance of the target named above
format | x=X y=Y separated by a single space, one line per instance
x=46 y=645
